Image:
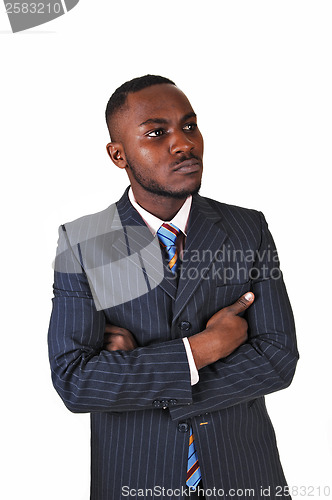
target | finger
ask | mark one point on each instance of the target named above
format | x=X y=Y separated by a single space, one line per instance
x=242 y=303
x=113 y=342
x=114 y=329
x=112 y=337
x=112 y=347
x=109 y=328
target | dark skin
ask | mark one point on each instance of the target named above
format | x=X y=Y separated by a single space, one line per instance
x=157 y=141
x=156 y=131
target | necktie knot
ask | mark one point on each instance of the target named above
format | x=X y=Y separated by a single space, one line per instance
x=167 y=234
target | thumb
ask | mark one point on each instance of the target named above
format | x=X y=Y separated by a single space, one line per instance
x=242 y=303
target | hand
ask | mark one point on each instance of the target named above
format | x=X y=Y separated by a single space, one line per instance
x=225 y=331
x=118 y=339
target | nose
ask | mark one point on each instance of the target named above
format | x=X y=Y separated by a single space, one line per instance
x=181 y=143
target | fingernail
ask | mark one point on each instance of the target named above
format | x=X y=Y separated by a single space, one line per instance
x=248 y=296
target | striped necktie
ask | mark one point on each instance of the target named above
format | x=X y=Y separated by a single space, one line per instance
x=193 y=469
x=167 y=234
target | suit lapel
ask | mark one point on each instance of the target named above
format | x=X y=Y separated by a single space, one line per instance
x=204 y=237
x=152 y=262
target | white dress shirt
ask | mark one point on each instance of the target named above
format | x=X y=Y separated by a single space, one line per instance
x=180 y=220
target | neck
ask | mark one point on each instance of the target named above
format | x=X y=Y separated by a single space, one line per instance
x=163 y=207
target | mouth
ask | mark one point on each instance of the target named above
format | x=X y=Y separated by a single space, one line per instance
x=188 y=166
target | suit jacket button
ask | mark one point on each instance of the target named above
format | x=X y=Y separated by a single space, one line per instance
x=184 y=325
x=183 y=427
x=164 y=404
x=156 y=403
x=172 y=402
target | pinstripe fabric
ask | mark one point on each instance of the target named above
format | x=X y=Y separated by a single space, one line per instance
x=141 y=398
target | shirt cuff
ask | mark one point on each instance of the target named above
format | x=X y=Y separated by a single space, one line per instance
x=194 y=377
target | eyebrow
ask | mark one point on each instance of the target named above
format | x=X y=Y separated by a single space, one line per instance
x=163 y=121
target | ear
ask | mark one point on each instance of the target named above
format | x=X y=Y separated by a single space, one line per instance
x=116 y=153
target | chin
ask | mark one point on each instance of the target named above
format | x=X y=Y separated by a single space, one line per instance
x=181 y=193
x=164 y=190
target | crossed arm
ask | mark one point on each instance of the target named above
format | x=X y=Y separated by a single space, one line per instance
x=225 y=331
x=236 y=363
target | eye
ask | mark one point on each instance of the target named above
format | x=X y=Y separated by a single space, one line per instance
x=156 y=133
x=190 y=127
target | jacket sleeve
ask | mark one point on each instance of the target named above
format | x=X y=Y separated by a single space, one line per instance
x=267 y=361
x=90 y=379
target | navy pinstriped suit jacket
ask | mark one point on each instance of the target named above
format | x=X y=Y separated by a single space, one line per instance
x=141 y=402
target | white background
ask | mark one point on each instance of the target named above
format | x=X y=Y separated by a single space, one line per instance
x=258 y=74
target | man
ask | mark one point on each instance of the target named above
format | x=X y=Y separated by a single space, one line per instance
x=171 y=320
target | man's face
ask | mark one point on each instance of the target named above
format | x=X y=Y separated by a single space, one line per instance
x=162 y=145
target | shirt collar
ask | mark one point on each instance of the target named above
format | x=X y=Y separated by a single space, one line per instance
x=180 y=220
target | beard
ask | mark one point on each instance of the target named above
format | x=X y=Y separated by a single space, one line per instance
x=152 y=186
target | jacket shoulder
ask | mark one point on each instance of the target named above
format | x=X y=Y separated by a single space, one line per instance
x=92 y=225
x=243 y=224
x=225 y=209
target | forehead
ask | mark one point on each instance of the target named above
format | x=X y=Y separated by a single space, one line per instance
x=158 y=101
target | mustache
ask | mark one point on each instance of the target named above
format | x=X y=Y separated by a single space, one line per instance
x=183 y=158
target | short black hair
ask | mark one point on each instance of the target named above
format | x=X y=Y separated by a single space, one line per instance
x=118 y=98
